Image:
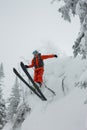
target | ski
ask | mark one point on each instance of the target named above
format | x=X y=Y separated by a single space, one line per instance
x=32 y=81
x=25 y=82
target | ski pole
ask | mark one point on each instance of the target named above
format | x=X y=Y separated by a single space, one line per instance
x=50 y=89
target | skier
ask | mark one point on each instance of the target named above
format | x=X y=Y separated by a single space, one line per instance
x=38 y=64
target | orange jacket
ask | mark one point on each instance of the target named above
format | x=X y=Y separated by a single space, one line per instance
x=43 y=57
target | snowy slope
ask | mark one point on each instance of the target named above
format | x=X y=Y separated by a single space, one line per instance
x=64 y=72
x=68 y=112
x=65 y=111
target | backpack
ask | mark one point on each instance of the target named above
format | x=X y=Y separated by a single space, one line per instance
x=41 y=63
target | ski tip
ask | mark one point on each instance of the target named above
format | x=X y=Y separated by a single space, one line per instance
x=21 y=63
x=13 y=69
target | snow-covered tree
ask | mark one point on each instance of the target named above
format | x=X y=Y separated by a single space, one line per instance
x=2 y=110
x=0 y=93
x=14 y=100
x=79 y=8
x=1 y=77
x=2 y=101
x=2 y=113
x=21 y=113
x=1 y=72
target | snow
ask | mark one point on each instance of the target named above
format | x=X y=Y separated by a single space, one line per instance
x=66 y=110
x=8 y=126
x=83 y=77
x=66 y=114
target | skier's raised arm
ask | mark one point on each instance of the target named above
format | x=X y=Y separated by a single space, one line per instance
x=48 y=56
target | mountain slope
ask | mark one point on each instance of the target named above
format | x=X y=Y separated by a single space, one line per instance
x=63 y=112
x=67 y=114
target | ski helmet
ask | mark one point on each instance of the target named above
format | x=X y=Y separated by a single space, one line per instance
x=35 y=52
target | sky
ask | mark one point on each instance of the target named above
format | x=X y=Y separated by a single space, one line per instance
x=25 y=25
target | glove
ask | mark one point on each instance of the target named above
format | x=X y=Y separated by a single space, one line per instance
x=55 y=56
x=26 y=66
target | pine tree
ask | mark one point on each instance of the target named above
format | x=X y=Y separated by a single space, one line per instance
x=1 y=71
x=22 y=111
x=0 y=93
x=14 y=100
x=2 y=113
x=2 y=101
x=77 y=7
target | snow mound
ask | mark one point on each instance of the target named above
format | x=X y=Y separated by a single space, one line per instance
x=67 y=112
x=68 y=109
